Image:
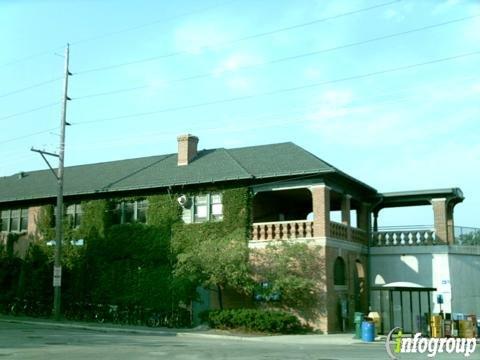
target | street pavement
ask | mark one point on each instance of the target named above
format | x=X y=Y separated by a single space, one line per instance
x=33 y=339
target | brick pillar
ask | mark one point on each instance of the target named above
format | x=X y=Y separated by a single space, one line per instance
x=321 y=210
x=450 y=224
x=345 y=207
x=363 y=217
x=440 y=219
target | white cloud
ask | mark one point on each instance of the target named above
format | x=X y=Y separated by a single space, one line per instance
x=196 y=37
x=472 y=29
x=227 y=68
x=444 y=6
x=239 y=83
x=343 y=118
x=312 y=73
x=393 y=15
x=236 y=61
x=338 y=120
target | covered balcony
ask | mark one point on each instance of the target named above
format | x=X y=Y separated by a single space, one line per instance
x=442 y=232
x=308 y=212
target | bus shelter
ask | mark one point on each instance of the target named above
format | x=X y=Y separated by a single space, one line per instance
x=408 y=307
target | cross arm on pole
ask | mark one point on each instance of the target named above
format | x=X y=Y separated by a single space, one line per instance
x=43 y=153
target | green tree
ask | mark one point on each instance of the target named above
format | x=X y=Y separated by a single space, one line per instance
x=217 y=262
x=292 y=270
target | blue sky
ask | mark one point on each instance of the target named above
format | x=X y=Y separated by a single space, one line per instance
x=399 y=113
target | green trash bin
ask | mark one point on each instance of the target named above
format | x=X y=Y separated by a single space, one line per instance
x=358 y=319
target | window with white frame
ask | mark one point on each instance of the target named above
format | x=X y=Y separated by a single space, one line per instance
x=14 y=220
x=133 y=211
x=74 y=214
x=216 y=207
x=204 y=207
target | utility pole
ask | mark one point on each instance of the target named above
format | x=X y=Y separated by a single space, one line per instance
x=57 y=268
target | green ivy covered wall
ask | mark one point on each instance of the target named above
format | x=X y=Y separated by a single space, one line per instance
x=131 y=264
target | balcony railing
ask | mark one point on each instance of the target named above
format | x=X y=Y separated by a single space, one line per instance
x=422 y=235
x=282 y=230
x=338 y=231
x=301 y=229
x=359 y=235
x=402 y=236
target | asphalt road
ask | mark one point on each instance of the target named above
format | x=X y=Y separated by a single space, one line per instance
x=33 y=341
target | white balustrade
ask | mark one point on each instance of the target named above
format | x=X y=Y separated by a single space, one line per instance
x=403 y=238
x=282 y=230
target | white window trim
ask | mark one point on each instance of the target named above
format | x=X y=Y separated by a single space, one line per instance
x=209 y=217
x=9 y=219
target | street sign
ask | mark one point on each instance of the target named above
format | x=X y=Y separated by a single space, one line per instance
x=57 y=276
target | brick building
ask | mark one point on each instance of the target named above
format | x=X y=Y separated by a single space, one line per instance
x=294 y=197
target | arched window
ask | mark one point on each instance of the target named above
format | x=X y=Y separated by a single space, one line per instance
x=339 y=273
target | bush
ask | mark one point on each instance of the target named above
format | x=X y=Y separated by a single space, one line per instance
x=269 y=321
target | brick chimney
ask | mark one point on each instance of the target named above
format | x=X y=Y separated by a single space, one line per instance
x=187 y=148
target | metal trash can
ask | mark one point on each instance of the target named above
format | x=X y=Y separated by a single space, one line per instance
x=358 y=324
x=368 y=331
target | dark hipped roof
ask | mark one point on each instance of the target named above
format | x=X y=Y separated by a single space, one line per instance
x=255 y=162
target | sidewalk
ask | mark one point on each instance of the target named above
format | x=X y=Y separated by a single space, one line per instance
x=200 y=332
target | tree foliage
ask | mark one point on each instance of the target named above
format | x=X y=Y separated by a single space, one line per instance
x=291 y=270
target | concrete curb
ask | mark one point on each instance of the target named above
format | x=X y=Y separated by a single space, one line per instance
x=98 y=328
x=130 y=330
x=340 y=339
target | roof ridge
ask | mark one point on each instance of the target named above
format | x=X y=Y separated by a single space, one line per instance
x=238 y=163
x=260 y=145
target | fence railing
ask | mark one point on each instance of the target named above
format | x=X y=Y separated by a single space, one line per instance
x=403 y=236
x=466 y=235
x=422 y=235
x=282 y=230
x=385 y=236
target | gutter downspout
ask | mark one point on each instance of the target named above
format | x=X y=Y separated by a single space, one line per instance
x=369 y=266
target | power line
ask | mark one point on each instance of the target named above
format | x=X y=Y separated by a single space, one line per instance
x=297 y=110
x=284 y=90
x=244 y=38
x=29 y=57
x=81 y=41
x=247 y=123
x=29 y=111
x=140 y=26
x=182 y=52
x=27 y=136
x=29 y=87
x=288 y=58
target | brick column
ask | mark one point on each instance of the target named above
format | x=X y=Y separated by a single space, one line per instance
x=450 y=224
x=440 y=219
x=321 y=210
x=363 y=218
x=346 y=207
